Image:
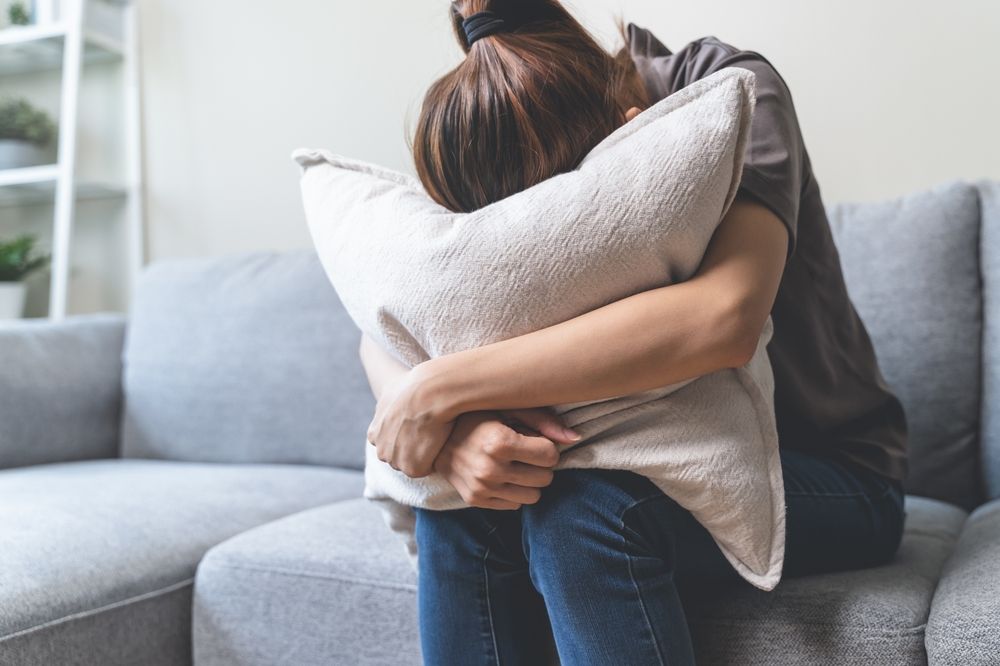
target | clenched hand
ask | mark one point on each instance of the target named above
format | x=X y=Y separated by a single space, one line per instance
x=502 y=459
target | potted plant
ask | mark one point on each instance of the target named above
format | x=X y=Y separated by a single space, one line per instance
x=26 y=135
x=18 y=14
x=17 y=261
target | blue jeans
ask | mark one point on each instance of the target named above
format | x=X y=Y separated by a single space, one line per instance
x=597 y=568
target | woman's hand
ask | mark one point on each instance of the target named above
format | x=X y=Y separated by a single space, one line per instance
x=498 y=460
x=408 y=430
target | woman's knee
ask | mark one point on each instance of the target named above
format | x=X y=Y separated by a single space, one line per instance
x=583 y=509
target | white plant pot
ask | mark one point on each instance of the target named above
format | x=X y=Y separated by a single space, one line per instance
x=15 y=154
x=11 y=300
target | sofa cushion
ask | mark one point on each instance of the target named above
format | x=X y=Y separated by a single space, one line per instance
x=964 y=626
x=912 y=270
x=98 y=557
x=348 y=595
x=868 y=616
x=60 y=389
x=244 y=358
x=331 y=585
x=989 y=192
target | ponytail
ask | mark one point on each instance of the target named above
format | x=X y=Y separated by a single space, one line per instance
x=529 y=101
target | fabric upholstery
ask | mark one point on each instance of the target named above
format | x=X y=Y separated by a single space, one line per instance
x=94 y=550
x=243 y=358
x=912 y=270
x=964 y=626
x=425 y=281
x=870 y=616
x=60 y=389
x=152 y=629
x=989 y=192
x=347 y=594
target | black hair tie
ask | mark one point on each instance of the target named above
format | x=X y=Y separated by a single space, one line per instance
x=482 y=24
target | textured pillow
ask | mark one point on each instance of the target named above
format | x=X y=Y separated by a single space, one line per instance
x=636 y=214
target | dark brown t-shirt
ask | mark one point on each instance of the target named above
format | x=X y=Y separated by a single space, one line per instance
x=830 y=396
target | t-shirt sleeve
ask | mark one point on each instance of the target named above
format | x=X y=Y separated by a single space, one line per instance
x=773 y=164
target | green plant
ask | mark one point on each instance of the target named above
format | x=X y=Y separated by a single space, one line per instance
x=21 y=121
x=17 y=259
x=18 y=13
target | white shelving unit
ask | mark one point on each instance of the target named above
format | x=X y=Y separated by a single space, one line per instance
x=68 y=45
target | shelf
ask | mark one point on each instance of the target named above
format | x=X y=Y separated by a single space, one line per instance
x=37 y=185
x=33 y=48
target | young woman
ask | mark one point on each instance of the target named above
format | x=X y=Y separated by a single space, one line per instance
x=595 y=561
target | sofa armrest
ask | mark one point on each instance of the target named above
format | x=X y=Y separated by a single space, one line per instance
x=964 y=623
x=60 y=389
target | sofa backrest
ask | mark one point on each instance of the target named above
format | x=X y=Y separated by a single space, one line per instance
x=250 y=357
x=912 y=267
x=246 y=357
x=989 y=192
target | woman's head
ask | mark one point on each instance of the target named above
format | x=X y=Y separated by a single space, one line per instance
x=524 y=104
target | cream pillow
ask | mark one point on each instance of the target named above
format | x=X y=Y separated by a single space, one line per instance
x=637 y=213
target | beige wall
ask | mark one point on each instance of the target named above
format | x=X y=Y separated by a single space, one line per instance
x=892 y=95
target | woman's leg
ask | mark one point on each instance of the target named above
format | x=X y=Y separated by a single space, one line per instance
x=839 y=516
x=608 y=550
x=476 y=604
x=603 y=548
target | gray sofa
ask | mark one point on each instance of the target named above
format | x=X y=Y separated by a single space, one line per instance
x=186 y=485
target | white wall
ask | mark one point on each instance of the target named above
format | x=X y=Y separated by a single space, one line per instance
x=893 y=95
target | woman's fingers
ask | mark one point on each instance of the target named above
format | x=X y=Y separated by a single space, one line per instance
x=544 y=422
x=516 y=494
x=496 y=503
x=529 y=449
x=532 y=476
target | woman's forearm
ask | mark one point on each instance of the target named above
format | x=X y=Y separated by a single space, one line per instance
x=625 y=347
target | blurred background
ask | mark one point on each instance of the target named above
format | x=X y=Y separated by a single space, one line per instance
x=892 y=96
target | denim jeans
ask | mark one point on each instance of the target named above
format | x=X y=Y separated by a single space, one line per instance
x=598 y=567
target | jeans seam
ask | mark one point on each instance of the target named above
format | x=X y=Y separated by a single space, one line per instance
x=489 y=604
x=638 y=592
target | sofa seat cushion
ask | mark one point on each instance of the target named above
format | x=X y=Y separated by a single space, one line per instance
x=868 y=616
x=98 y=557
x=333 y=585
x=964 y=626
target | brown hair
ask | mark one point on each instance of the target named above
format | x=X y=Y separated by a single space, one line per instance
x=522 y=106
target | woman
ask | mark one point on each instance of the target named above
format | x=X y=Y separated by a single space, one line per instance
x=596 y=559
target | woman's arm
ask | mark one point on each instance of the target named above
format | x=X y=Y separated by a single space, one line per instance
x=652 y=339
x=383 y=370
x=487 y=459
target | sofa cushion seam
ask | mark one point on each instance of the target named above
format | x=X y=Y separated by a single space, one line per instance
x=80 y=615
x=315 y=574
x=862 y=629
